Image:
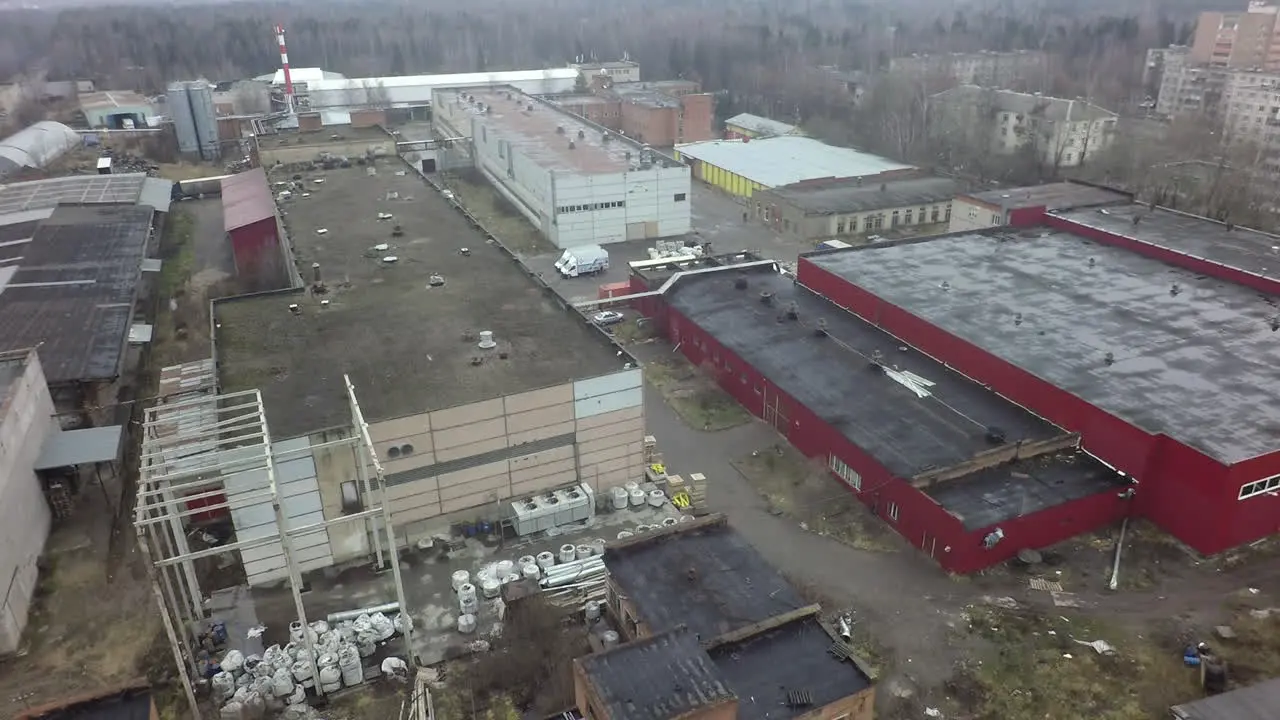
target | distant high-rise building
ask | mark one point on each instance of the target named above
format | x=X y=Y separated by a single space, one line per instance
x=1247 y=40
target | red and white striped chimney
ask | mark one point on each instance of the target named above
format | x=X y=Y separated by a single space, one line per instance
x=284 y=63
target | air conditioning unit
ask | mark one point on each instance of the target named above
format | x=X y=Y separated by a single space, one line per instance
x=527 y=514
x=575 y=504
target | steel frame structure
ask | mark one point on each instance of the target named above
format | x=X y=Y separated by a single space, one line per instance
x=188 y=447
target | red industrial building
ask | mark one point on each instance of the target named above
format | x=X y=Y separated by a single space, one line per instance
x=966 y=475
x=1147 y=334
x=251 y=224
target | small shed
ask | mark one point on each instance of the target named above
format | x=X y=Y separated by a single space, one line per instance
x=249 y=218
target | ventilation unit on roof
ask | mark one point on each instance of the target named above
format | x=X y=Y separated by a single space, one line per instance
x=581 y=135
x=793 y=311
x=572 y=145
x=821 y=329
x=559 y=129
x=740 y=282
x=766 y=297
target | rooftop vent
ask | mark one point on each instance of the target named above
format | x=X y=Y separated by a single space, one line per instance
x=1275 y=323
x=572 y=145
x=877 y=358
x=793 y=311
x=766 y=297
x=1136 y=219
x=559 y=129
x=295 y=309
x=740 y=282
x=604 y=137
x=821 y=329
x=486 y=340
x=1231 y=226
x=945 y=285
x=315 y=273
x=530 y=107
x=884 y=187
x=1174 y=290
x=1093 y=261
x=1109 y=359
x=1017 y=318
x=582 y=135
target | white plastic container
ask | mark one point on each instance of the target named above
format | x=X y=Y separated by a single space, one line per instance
x=467 y=592
x=597 y=546
x=504 y=568
x=531 y=571
x=593 y=610
x=610 y=638
x=632 y=486
x=637 y=497
x=625 y=534
x=526 y=560
x=460 y=578
x=657 y=498
x=568 y=553
x=620 y=498
x=490 y=588
x=668 y=522
x=468 y=606
x=466 y=624
x=546 y=560
x=584 y=551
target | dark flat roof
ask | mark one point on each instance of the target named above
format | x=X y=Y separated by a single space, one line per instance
x=404 y=343
x=852 y=196
x=834 y=376
x=246 y=199
x=660 y=677
x=764 y=668
x=996 y=494
x=1197 y=365
x=1053 y=196
x=709 y=579
x=1256 y=702
x=134 y=704
x=73 y=290
x=1252 y=251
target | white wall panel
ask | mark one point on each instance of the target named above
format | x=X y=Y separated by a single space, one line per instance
x=300 y=501
x=609 y=393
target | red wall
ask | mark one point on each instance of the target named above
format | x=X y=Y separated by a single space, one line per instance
x=1179 y=486
x=259 y=260
x=924 y=523
x=1165 y=255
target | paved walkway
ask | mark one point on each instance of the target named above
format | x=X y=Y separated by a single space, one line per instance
x=906 y=599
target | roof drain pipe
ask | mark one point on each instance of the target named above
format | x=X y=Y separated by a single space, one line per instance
x=1115 y=567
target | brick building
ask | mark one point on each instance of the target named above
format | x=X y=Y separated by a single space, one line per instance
x=660 y=114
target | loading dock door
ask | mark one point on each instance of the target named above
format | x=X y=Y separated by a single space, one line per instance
x=636 y=231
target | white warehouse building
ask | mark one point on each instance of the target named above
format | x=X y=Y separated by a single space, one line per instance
x=580 y=183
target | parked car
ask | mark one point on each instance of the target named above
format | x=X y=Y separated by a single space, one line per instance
x=607 y=318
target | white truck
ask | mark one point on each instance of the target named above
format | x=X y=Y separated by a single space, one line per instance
x=584 y=260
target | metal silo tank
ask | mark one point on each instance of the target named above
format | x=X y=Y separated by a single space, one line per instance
x=179 y=108
x=206 y=119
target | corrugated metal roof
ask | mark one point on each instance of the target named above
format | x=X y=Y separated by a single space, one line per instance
x=246 y=199
x=777 y=161
x=853 y=196
x=80 y=447
x=762 y=125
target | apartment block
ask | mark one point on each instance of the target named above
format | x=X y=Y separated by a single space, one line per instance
x=1239 y=39
x=1021 y=69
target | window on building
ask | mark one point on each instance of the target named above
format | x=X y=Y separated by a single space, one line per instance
x=840 y=226
x=973 y=213
x=1260 y=487
x=907 y=216
x=893 y=221
x=844 y=472
x=1071 y=157
x=921 y=215
x=891 y=511
x=680 y=197
x=933 y=214
x=997 y=220
x=948 y=218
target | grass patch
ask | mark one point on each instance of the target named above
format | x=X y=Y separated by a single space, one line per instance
x=632 y=331
x=496 y=213
x=179 y=254
x=694 y=396
x=804 y=491
x=1036 y=669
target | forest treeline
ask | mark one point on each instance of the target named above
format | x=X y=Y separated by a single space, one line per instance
x=736 y=47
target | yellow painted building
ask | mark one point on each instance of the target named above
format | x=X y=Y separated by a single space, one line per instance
x=741 y=167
